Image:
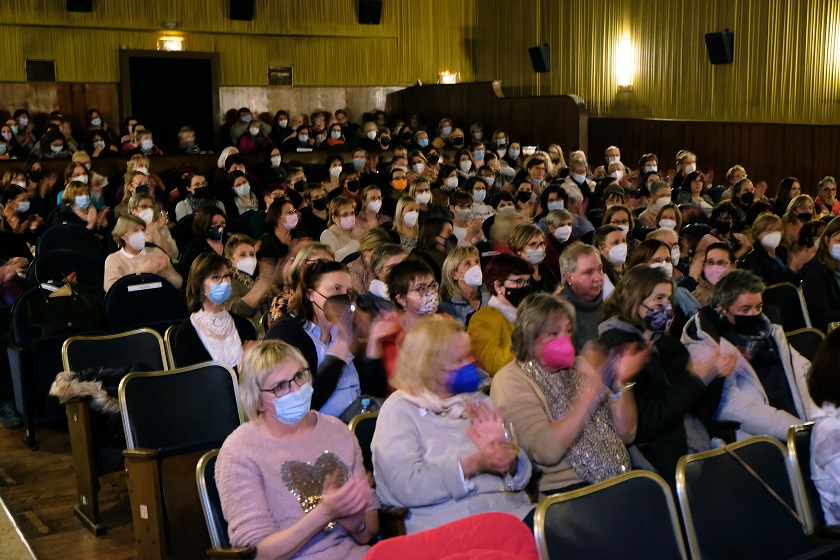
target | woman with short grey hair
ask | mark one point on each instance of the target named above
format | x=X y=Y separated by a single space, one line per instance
x=572 y=420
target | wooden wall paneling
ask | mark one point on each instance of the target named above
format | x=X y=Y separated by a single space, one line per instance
x=532 y=120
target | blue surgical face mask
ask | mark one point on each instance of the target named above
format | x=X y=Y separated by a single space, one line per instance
x=358 y=163
x=465 y=379
x=147 y=144
x=23 y=206
x=219 y=293
x=96 y=122
x=56 y=149
x=246 y=118
x=335 y=134
x=423 y=142
x=578 y=178
x=479 y=155
x=513 y=153
x=2 y=149
x=303 y=137
x=15 y=129
x=291 y=408
x=82 y=202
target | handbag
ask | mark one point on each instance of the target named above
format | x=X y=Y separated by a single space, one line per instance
x=71 y=308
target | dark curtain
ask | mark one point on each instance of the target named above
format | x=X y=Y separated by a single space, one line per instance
x=167 y=94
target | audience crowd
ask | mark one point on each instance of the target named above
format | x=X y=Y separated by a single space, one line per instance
x=519 y=314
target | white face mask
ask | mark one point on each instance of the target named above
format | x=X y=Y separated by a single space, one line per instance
x=535 y=256
x=556 y=205
x=275 y=161
x=675 y=255
x=479 y=195
x=617 y=174
x=668 y=224
x=335 y=171
x=690 y=168
x=490 y=181
x=143 y=170
x=410 y=218
x=473 y=277
x=651 y=168
x=771 y=240
x=624 y=227
x=662 y=201
x=371 y=135
x=255 y=131
x=375 y=206
x=666 y=266
x=618 y=253
x=242 y=190
x=424 y=197
x=465 y=165
x=136 y=240
x=247 y=265
x=282 y=123
x=505 y=209
x=613 y=159
x=578 y=178
x=146 y=214
x=563 y=233
x=452 y=182
x=83 y=179
x=419 y=167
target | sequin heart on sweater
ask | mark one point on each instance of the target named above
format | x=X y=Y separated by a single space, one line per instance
x=308 y=482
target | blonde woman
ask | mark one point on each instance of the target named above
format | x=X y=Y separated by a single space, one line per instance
x=342 y=235
x=157 y=233
x=360 y=269
x=439 y=447
x=134 y=257
x=462 y=290
x=307 y=255
x=406 y=227
x=259 y=503
x=76 y=208
x=251 y=293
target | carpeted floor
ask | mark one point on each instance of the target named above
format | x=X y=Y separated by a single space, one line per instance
x=39 y=490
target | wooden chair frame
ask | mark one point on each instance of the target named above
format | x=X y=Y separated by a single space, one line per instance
x=146 y=473
x=544 y=504
x=81 y=438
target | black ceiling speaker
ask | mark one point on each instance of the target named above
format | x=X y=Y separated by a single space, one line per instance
x=540 y=58
x=719 y=45
x=80 y=6
x=242 y=10
x=370 y=11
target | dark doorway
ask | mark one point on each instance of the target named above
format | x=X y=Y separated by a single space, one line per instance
x=166 y=91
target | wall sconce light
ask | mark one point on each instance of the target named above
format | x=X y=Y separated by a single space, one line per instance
x=625 y=65
x=446 y=78
x=170 y=43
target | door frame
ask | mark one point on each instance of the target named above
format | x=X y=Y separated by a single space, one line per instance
x=125 y=79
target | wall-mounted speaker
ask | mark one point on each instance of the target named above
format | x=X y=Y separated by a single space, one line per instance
x=719 y=45
x=370 y=11
x=540 y=58
x=80 y=6
x=242 y=10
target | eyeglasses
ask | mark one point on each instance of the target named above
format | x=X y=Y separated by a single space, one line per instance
x=424 y=289
x=517 y=283
x=284 y=387
x=718 y=263
x=219 y=278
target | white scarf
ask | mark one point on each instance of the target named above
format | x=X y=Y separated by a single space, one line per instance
x=378 y=288
x=505 y=309
x=217 y=332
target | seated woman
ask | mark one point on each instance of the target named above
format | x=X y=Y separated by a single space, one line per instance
x=266 y=508
x=342 y=235
x=435 y=241
x=209 y=228
x=620 y=216
x=723 y=220
x=406 y=229
x=670 y=217
x=76 y=208
x=421 y=190
x=800 y=211
x=508 y=279
x=370 y=217
x=528 y=241
x=376 y=299
x=439 y=447
x=462 y=290
x=134 y=257
x=676 y=397
x=558 y=403
x=244 y=200
x=309 y=254
x=17 y=215
x=656 y=254
x=211 y=333
x=251 y=293
x=789 y=188
x=320 y=325
x=766 y=393
x=768 y=259
x=719 y=259
x=692 y=191
x=819 y=279
x=199 y=195
x=254 y=140
x=360 y=269
x=824 y=387
x=157 y=231
x=612 y=246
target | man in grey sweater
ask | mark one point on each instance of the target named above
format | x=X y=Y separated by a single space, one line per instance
x=582 y=284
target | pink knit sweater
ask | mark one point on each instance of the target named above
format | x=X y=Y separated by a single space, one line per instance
x=257 y=502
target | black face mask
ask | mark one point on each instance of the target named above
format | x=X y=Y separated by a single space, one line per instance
x=523 y=196
x=516 y=295
x=723 y=227
x=353 y=186
x=749 y=324
x=216 y=233
x=35 y=175
x=299 y=186
x=336 y=306
x=202 y=193
x=385 y=141
x=457 y=141
x=804 y=216
x=320 y=204
x=434 y=159
x=747 y=198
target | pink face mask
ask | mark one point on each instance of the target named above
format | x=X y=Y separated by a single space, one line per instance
x=7 y=136
x=558 y=353
x=714 y=272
